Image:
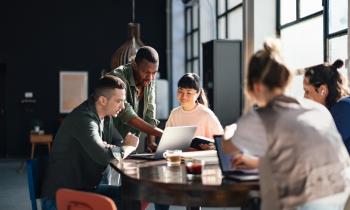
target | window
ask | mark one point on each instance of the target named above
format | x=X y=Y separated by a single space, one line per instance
x=312 y=33
x=336 y=33
x=309 y=7
x=337 y=15
x=229 y=15
x=287 y=11
x=303 y=43
x=192 y=37
x=302 y=47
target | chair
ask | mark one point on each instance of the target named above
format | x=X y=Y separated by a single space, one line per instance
x=35 y=174
x=40 y=139
x=67 y=199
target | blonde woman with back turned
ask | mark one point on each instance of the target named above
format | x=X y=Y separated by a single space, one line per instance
x=300 y=155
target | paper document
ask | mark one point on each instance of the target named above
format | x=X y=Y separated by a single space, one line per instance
x=209 y=156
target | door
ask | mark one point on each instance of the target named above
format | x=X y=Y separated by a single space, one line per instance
x=2 y=110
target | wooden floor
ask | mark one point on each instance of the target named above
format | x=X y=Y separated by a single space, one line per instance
x=14 y=193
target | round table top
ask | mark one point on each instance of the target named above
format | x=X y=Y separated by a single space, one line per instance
x=155 y=181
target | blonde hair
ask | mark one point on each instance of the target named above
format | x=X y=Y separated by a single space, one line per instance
x=267 y=66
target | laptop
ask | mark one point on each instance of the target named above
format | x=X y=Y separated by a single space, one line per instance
x=228 y=171
x=179 y=137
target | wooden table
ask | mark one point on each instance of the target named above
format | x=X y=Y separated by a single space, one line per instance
x=40 y=139
x=156 y=182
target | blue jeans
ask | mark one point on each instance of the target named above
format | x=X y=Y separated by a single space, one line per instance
x=112 y=192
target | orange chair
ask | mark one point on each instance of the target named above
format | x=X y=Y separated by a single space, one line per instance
x=67 y=199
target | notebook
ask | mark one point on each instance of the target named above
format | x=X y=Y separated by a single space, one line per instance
x=228 y=171
x=179 y=137
x=198 y=140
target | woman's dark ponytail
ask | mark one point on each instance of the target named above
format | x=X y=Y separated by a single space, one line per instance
x=338 y=64
x=202 y=98
x=329 y=75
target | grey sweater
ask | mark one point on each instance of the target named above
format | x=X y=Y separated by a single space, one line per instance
x=305 y=158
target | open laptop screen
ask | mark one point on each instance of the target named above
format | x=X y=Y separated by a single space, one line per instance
x=178 y=138
x=228 y=170
x=225 y=160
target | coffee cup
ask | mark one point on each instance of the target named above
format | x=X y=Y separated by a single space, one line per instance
x=173 y=157
x=194 y=167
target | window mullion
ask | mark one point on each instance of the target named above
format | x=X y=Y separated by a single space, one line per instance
x=298 y=9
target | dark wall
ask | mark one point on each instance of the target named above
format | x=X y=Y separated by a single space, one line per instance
x=40 y=38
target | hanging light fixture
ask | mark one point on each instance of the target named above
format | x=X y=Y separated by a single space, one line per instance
x=125 y=53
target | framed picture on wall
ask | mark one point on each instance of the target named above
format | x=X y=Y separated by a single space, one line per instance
x=73 y=89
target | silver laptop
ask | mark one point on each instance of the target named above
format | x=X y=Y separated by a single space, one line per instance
x=179 y=137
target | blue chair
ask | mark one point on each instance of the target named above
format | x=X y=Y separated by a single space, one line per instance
x=35 y=174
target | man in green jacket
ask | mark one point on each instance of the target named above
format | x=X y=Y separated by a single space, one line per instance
x=84 y=144
x=140 y=107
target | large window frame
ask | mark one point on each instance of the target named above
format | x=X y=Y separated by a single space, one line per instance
x=325 y=12
x=224 y=16
x=192 y=46
x=327 y=35
x=330 y=35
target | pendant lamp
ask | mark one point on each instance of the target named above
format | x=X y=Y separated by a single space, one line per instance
x=127 y=51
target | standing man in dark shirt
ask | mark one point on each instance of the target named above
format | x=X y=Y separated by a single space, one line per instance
x=140 y=107
x=83 y=146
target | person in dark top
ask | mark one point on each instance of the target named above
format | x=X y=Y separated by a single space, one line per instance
x=84 y=144
x=139 y=114
x=324 y=84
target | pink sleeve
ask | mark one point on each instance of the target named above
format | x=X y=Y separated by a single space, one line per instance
x=169 y=122
x=215 y=127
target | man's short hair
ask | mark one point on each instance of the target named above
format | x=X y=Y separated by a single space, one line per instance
x=148 y=53
x=107 y=83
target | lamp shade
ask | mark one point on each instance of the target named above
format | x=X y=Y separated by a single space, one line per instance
x=127 y=51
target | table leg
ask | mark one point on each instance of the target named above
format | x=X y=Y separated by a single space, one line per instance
x=130 y=204
x=33 y=150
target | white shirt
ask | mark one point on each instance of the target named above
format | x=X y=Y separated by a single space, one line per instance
x=250 y=135
x=206 y=121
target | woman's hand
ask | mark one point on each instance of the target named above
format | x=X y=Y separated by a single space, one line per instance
x=209 y=146
x=244 y=161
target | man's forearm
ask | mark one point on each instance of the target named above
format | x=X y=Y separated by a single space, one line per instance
x=145 y=127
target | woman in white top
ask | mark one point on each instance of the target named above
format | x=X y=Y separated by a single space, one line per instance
x=193 y=109
x=302 y=161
